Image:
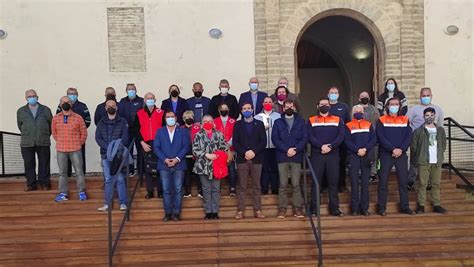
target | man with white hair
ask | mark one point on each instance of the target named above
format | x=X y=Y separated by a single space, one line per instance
x=34 y=123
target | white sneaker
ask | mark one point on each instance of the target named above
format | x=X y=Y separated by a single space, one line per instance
x=104 y=208
x=200 y=196
x=123 y=207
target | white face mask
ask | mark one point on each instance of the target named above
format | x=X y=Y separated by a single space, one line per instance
x=224 y=90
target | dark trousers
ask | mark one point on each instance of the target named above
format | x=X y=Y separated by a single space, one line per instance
x=69 y=165
x=29 y=159
x=326 y=164
x=140 y=158
x=152 y=181
x=360 y=173
x=189 y=176
x=270 y=171
x=401 y=167
x=342 y=166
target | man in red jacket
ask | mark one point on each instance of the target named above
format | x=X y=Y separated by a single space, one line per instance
x=149 y=119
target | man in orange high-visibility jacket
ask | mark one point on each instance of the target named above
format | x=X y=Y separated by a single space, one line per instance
x=394 y=137
x=326 y=134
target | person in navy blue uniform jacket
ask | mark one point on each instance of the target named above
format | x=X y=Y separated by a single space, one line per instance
x=171 y=145
x=360 y=140
x=81 y=109
x=100 y=110
x=394 y=136
x=253 y=96
x=326 y=134
x=199 y=104
x=127 y=109
x=175 y=103
x=224 y=98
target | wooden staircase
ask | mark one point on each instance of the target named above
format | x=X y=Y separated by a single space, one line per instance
x=34 y=230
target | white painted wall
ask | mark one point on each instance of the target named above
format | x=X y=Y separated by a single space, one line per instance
x=55 y=44
x=449 y=59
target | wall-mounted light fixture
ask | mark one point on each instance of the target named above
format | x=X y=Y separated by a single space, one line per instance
x=215 y=33
x=451 y=30
x=3 y=34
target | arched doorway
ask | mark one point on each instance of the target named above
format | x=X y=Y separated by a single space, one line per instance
x=338 y=47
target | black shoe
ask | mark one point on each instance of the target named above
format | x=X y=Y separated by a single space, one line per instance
x=160 y=195
x=365 y=212
x=45 y=187
x=420 y=209
x=216 y=216
x=208 y=216
x=264 y=193
x=167 y=217
x=382 y=212
x=411 y=186
x=373 y=179
x=176 y=217
x=354 y=213
x=439 y=209
x=337 y=213
x=407 y=211
x=31 y=188
x=149 y=195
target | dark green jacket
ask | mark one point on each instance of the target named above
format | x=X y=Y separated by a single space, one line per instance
x=420 y=143
x=34 y=131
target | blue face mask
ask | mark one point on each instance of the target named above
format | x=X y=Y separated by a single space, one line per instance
x=426 y=100
x=391 y=87
x=393 y=109
x=333 y=97
x=131 y=94
x=150 y=102
x=73 y=98
x=253 y=86
x=358 y=115
x=32 y=101
x=171 y=121
x=247 y=114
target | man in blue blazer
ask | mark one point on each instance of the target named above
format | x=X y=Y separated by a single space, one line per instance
x=253 y=96
x=171 y=146
x=175 y=103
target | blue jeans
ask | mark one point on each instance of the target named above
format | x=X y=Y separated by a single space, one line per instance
x=110 y=181
x=172 y=183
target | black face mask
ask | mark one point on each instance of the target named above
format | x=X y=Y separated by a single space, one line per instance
x=66 y=106
x=189 y=121
x=224 y=112
x=174 y=93
x=198 y=94
x=111 y=111
x=289 y=112
x=324 y=109
x=110 y=97
x=364 y=100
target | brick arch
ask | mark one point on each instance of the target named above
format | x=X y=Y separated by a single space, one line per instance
x=368 y=14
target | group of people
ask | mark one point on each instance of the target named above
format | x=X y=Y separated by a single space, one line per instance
x=256 y=142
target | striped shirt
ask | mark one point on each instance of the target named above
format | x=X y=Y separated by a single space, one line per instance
x=69 y=131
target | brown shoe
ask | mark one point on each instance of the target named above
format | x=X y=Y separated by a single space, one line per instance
x=281 y=213
x=258 y=214
x=239 y=215
x=45 y=187
x=31 y=188
x=298 y=213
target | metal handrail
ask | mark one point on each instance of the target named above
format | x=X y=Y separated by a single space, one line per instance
x=113 y=243
x=309 y=214
x=449 y=165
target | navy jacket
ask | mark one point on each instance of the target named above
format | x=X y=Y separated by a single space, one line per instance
x=393 y=132
x=127 y=108
x=284 y=139
x=204 y=101
x=164 y=149
x=325 y=130
x=341 y=110
x=99 y=113
x=247 y=98
x=108 y=130
x=231 y=102
x=81 y=109
x=256 y=141
x=359 y=134
x=181 y=107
